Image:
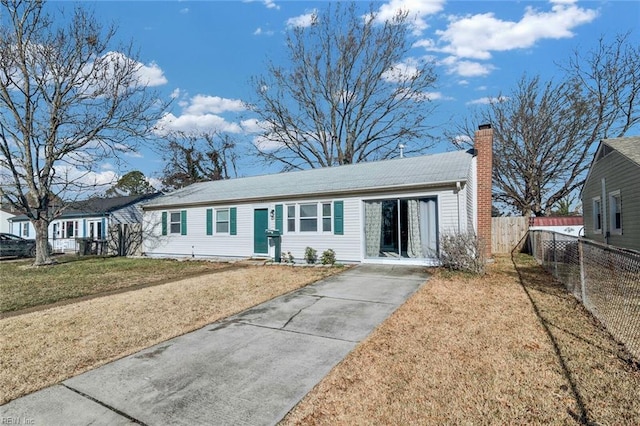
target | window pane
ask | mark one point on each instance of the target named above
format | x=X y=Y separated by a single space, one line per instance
x=291 y=225
x=308 y=210
x=326 y=210
x=222 y=227
x=326 y=224
x=308 y=225
x=222 y=215
x=175 y=217
x=291 y=211
x=175 y=228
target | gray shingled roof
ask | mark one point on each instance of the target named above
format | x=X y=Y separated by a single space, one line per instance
x=424 y=170
x=627 y=146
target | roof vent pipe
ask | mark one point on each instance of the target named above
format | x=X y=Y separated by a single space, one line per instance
x=401 y=147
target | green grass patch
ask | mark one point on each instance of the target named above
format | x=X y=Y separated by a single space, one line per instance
x=23 y=286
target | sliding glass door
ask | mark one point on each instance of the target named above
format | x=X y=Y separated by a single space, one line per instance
x=401 y=228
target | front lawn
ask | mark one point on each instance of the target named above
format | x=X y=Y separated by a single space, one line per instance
x=23 y=286
x=42 y=348
x=512 y=347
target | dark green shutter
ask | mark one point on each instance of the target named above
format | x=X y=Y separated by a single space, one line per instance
x=209 y=221
x=338 y=217
x=183 y=222
x=232 y=220
x=279 y=215
x=164 y=223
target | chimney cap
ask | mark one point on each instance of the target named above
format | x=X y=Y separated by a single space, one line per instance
x=484 y=126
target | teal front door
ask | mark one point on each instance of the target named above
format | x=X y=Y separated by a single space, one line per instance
x=260 y=224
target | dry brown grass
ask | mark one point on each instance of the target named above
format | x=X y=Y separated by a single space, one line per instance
x=42 y=348
x=500 y=349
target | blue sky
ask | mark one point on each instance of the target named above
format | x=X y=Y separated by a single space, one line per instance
x=202 y=54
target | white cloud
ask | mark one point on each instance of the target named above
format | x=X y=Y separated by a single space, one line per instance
x=260 y=31
x=252 y=125
x=303 y=21
x=184 y=11
x=270 y=4
x=476 y=36
x=417 y=11
x=203 y=104
x=176 y=93
x=151 y=75
x=202 y=123
x=487 y=100
x=402 y=71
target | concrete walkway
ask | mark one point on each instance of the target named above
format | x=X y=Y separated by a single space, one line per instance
x=252 y=368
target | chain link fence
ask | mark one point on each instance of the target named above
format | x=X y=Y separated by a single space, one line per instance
x=604 y=278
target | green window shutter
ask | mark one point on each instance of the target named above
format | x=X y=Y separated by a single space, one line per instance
x=338 y=217
x=209 y=221
x=232 y=220
x=183 y=222
x=164 y=223
x=279 y=215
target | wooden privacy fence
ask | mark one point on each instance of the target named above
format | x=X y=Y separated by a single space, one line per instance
x=507 y=232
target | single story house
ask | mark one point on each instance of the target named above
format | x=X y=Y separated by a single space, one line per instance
x=568 y=225
x=391 y=211
x=6 y=213
x=99 y=219
x=610 y=195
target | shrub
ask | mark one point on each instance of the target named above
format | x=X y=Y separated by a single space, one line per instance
x=310 y=255
x=328 y=257
x=462 y=252
x=290 y=257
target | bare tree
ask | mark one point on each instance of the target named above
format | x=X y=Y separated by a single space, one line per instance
x=348 y=93
x=67 y=101
x=192 y=158
x=609 y=77
x=541 y=133
x=545 y=133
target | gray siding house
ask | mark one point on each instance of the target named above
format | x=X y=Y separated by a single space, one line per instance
x=611 y=194
x=112 y=220
x=391 y=211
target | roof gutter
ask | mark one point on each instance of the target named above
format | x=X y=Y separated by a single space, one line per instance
x=377 y=189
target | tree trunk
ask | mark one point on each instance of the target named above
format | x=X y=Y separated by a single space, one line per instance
x=43 y=257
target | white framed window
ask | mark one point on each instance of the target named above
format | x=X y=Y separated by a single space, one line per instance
x=597 y=215
x=174 y=222
x=291 y=218
x=615 y=212
x=326 y=217
x=309 y=217
x=25 y=229
x=222 y=221
x=69 y=229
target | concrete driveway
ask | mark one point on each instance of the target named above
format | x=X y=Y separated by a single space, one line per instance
x=249 y=369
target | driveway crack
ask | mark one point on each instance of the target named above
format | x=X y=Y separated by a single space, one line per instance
x=300 y=310
x=115 y=410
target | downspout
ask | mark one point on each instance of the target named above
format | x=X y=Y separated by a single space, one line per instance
x=458 y=189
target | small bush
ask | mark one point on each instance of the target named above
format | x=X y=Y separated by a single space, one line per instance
x=462 y=252
x=328 y=257
x=290 y=257
x=310 y=255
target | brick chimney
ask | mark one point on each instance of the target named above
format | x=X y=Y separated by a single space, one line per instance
x=483 y=144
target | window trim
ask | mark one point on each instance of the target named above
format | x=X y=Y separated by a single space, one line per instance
x=613 y=195
x=171 y=222
x=329 y=218
x=289 y=218
x=597 y=214
x=217 y=221
x=292 y=216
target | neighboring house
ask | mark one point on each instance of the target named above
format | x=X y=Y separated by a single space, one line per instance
x=611 y=194
x=379 y=212
x=568 y=225
x=110 y=220
x=6 y=213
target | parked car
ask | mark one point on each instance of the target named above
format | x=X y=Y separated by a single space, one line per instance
x=12 y=245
